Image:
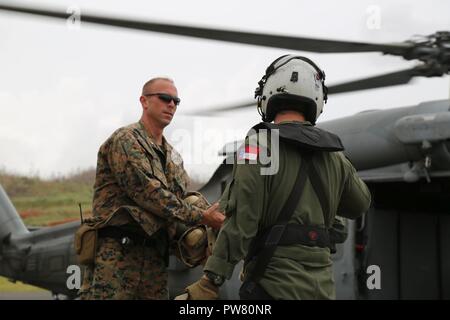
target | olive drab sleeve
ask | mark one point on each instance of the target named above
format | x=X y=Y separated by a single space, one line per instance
x=355 y=199
x=243 y=204
x=224 y=202
x=134 y=173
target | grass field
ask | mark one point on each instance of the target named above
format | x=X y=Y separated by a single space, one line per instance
x=48 y=202
x=45 y=203
x=53 y=208
x=8 y=286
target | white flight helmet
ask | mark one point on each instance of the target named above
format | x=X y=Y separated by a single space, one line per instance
x=292 y=83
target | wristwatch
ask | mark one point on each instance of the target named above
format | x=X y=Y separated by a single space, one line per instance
x=215 y=278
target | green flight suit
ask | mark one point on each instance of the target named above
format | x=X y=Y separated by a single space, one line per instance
x=252 y=202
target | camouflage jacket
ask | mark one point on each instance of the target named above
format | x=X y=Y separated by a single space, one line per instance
x=139 y=181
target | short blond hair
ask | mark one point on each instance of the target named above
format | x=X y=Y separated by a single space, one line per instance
x=149 y=83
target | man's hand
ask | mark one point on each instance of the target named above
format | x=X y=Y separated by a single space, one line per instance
x=212 y=217
x=203 y=289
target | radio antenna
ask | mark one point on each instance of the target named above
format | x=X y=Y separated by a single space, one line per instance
x=81 y=213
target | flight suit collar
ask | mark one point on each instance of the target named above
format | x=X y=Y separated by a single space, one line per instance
x=304 y=123
x=304 y=135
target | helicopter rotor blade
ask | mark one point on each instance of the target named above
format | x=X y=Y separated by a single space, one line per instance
x=260 y=39
x=390 y=79
x=385 y=80
x=231 y=107
x=408 y=49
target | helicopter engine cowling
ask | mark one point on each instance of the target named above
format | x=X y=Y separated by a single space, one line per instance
x=432 y=127
x=430 y=131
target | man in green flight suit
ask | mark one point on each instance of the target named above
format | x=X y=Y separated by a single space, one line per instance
x=279 y=215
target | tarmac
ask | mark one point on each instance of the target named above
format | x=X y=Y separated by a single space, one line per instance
x=33 y=295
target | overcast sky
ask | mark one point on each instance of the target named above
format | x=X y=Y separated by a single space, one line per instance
x=64 y=90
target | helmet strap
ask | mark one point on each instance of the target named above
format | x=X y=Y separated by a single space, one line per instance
x=261 y=113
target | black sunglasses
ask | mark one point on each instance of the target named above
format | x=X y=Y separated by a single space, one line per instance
x=165 y=97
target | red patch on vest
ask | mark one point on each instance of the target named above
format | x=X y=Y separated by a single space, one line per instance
x=248 y=153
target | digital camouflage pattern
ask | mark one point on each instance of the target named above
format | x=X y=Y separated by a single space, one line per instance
x=131 y=176
x=125 y=272
x=139 y=186
x=252 y=202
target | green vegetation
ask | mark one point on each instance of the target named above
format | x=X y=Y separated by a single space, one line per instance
x=47 y=202
x=8 y=286
x=47 y=210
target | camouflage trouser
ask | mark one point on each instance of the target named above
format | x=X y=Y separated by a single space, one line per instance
x=125 y=272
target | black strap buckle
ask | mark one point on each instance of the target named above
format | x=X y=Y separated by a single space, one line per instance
x=126 y=241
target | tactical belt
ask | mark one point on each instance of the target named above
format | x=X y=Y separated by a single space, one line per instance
x=126 y=237
x=310 y=236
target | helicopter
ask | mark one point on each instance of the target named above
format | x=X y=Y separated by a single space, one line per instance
x=401 y=153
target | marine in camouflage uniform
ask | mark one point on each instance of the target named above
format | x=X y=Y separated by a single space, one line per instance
x=140 y=186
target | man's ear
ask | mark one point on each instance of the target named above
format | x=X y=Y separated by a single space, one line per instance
x=144 y=102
